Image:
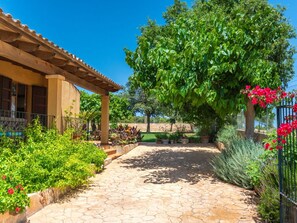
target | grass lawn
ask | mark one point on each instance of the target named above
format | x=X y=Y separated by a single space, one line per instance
x=148 y=137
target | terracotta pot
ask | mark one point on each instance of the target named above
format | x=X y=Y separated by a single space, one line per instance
x=185 y=141
x=165 y=141
x=204 y=139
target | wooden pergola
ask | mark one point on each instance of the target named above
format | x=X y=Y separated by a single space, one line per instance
x=23 y=47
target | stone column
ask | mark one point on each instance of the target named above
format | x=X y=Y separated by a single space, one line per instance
x=54 y=98
x=104 y=119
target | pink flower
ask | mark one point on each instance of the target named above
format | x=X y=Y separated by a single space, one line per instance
x=10 y=191
x=248 y=87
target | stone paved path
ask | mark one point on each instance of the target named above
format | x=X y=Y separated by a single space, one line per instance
x=156 y=184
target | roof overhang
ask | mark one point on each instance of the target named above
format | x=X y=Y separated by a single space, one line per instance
x=22 y=46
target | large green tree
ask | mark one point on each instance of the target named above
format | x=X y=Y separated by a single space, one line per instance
x=206 y=54
x=119 y=108
x=144 y=102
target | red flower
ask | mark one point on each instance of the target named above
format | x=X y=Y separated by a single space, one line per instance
x=262 y=104
x=248 y=87
x=284 y=94
x=10 y=191
x=274 y=141
x=279 y=147
x=17 y=209
x=3 y=177
x=284 y=129
x=267 y=146
x=254 y=101
x=283 y=141
x=295 y=107
x=19 y=186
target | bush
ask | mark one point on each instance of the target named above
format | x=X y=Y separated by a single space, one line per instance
x=227 y=134
x=122 y=135
x=45 y=159
x=231 y=165
x=269 y=193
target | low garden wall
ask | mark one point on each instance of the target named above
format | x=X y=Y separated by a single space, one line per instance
x=38 y=201
x=258 y=137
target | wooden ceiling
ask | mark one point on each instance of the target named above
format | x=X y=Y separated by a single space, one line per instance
x=22 y=42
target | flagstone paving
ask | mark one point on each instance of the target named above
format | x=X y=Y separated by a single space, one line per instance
x=156 y=184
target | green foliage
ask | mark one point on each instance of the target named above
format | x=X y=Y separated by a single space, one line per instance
x=269 y=192
x=122 y=135
x=45 y=159
x=205 y=55
x=231 y=165
x=162 y=135
x=119 y=108
x=255 y=167
x=227 y=134
x=13 y=196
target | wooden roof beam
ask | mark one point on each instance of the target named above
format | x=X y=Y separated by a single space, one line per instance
x=26 y=46
x=70 y=68
x=8 y=36
x=25 y=59
x=58 y=62
x=44 y=55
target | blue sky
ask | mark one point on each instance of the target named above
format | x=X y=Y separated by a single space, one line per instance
x=98 y=30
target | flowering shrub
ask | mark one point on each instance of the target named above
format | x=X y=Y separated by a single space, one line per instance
x=266 y=96
x=13 y=195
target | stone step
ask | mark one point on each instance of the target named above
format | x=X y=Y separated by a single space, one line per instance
x=110 y=151
x=115 y=156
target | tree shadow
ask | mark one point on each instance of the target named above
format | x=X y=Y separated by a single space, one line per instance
x=171 y=166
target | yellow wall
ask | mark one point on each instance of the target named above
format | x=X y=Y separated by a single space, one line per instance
x=28 y=77
x=22 y=75
x=70 y=97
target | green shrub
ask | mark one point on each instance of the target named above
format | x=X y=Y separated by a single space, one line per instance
x=13 y=196
x=268 y=207
x=231 y=165
x=227 y=134
x=45 y=159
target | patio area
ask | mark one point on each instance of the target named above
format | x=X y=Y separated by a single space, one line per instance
x=156 y=184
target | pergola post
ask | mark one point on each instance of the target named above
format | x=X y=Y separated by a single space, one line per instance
x=54 y=98
x=104 y=119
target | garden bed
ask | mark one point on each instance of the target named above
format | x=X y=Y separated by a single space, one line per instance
x=38 y=201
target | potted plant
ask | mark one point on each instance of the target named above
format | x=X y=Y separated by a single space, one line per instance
x=184 y=139
x=173 y=137
x=165 y=138
x=205 y=133
x=158 y=138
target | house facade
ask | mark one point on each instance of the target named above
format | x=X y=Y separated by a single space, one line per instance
x=38 y=78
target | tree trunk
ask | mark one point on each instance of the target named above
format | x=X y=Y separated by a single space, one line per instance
x=148 y=119
x=249 y=120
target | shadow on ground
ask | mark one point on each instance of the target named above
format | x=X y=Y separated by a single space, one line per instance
x=171 y=166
